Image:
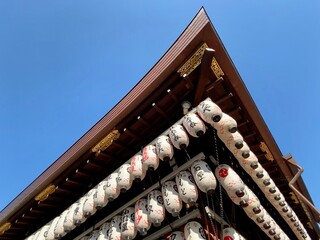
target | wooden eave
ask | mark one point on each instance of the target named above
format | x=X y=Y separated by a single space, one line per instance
x=79 y=169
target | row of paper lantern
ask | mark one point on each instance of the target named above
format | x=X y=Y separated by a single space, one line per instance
x=162 y=148
x=193 y=230
x=151 y=210
x=227 y=132
x=173 y=193
x=135 y=169
x=226 y=129
x=241 y=195
x=114 y=229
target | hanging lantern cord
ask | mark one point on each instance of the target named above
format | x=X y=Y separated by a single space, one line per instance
x=220 y=187
x=187 y=154
x=213 y=224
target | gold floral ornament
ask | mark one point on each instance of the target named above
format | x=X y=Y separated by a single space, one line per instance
x=44 y=194
x=4 y=227
x=106 y=142
x=264 y=148
x=215 y=67
x=294 y=198
x=310 y=225
x=195 y=60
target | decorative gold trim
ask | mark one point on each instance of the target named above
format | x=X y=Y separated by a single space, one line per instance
x=106 y=141
x=195 y=60
x=294 y=198
x=192 y=62
x=45 y=193
x=4 y=227
x=264 y=148
x=310 y=225
x=215 y=67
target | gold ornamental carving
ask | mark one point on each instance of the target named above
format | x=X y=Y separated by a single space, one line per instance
x=106 y=141
x=310 y=225
x=44 y=194
x=294 y=198
x=4 y=227
x=215 y=67
x=264 y=148
x=195 y=60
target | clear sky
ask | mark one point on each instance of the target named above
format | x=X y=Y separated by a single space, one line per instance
x=64 y=64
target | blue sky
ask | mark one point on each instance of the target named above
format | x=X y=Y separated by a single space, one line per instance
x=64 y=64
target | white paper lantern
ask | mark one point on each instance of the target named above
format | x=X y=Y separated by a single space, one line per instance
x=156 y=210
x=203 y=176
x=138 y=172
x=124 y=178
x=258 y=218
x=243 y=152
x=43 y=231
x=89 y=207
x=265 y=224
x=232 y=183
x=172 y=201
x=50 y=233
x=226 y=125
x=115 y=228
x=271 y=190
x=111 y=189
x=142 y=222
x=94 y=235
x=277 y=198
x=30 y=237
x=257 y=172
x=209 y=111
x=99 y=198
x=178 y=136
x=128 y=229
x=164 y=148
x=272 y=229
x=194 y=125
x=150 y=159
x=264 y=178
x=231 y=234
x=78 y=216
x=280 y=235
x=36 y=235
x=187 y=188
x=249 y=163
x=268 y=227
x=176 y=235
x=104 y=231
x=287 y=215
x=278 y=231
x=59 y=231
x=254 y=206
x=68 y=222
x=285 y=207
x=194 y=231
x=233 y=141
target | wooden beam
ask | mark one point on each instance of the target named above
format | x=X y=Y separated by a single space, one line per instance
x=205 y=69
x=159 y=110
